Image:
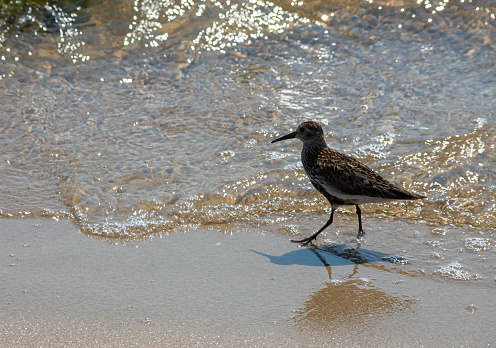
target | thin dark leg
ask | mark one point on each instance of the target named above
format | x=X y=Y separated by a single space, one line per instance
x=360 y=230
x=312 y=237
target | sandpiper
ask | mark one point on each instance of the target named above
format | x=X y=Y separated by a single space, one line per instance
x=342 y=179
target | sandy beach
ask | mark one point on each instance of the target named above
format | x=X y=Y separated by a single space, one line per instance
x=205 y=288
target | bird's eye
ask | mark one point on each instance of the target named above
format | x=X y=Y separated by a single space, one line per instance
x=302 y=129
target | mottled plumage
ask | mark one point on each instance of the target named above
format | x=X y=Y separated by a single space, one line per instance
x=342 y=179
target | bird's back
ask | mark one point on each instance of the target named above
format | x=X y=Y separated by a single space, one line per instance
x=342 y=179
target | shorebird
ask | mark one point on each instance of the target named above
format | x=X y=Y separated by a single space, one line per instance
x=342 y=179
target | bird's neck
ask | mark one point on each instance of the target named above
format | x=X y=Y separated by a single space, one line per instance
x=314 y=148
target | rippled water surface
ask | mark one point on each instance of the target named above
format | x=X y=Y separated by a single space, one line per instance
x=145 y=117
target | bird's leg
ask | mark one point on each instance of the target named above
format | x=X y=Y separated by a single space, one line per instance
x=360 y=234
x=313 y=236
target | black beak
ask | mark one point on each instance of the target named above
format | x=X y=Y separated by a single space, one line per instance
x=287 y=136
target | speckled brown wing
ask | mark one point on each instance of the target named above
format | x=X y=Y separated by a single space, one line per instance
x=344 y=176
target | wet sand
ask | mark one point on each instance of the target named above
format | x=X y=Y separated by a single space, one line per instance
x=206 y=288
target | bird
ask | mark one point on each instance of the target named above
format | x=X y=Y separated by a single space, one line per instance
x=341 y=178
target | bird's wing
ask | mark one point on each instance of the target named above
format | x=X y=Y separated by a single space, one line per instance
x=346 y=178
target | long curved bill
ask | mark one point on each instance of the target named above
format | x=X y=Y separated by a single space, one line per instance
x=287 y=136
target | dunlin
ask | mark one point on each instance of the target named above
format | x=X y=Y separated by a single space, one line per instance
x=342 y=179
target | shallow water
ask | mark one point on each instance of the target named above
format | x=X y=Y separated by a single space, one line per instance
x=146 y=117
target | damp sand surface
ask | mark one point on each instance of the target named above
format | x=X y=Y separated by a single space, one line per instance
x=207 y=288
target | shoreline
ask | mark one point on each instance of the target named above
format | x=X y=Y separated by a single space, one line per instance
x=63 y=288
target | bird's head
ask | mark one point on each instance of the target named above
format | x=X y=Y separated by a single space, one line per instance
x=309 y=132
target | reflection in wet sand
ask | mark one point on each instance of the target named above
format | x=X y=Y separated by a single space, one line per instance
x=346 y=300
x=353 y=302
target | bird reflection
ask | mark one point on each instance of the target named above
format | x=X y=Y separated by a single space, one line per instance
x=349 y=301
x=353 y=303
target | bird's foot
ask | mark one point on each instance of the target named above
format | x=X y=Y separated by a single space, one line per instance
x=360 y=235
x=305 y=241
